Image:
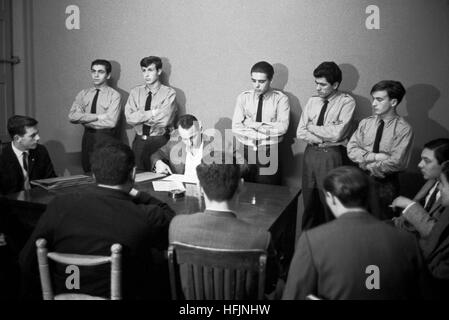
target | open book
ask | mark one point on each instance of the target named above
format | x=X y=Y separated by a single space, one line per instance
x=63 y=182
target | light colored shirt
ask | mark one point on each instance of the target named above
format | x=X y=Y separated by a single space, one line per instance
x=161 y=115
x=431 y=191
x=337 y=119
x=193 y=159
x=396 y=142
x=108 y=108
x=19 y=155
x=275 y=118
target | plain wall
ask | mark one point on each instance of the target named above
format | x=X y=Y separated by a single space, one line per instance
x=209 y=46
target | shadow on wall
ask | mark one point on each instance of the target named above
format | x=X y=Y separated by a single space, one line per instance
x=65 y=163
x=420 y=99
x=349 y=84
x=228 y=140
x=122 y=126
x=287 y=161
x=180 y=95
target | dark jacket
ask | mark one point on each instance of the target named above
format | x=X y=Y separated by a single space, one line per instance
x=89 y=222
x=11 y=175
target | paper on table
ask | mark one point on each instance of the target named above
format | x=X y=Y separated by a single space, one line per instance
x=162 y=185
x=145 y=176
x=181 y=178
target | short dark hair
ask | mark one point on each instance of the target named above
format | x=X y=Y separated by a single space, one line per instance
x=147 y=61
x=112 y=163
x=440 y=148
x=349 y=184
x=17 y=125
x=394 y=89
x=107 y=65
x=264 y=67
x=186 y=121
x=330 y=71
x=219 y=179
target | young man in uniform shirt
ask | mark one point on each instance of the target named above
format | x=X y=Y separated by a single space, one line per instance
x=325 y=126
x=151 y=110
x=97 y=109
x=382 y=145
x=261 y=118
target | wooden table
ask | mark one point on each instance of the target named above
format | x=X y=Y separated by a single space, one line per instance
x=270 y=207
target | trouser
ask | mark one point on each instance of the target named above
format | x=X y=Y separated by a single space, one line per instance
x=262 y=165
x=383 y=192
x=92 y=139
x=317 y=163
x=144 y=147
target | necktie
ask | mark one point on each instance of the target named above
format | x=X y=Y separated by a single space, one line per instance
x=379 y=132
x=432 y=199
x=259 y=109
x=26 y=182
x=93 y=108
x=25 y=161
x=322 y=113
x=146 y=129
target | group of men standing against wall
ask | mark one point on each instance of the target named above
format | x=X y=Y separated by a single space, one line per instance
x=380 y=146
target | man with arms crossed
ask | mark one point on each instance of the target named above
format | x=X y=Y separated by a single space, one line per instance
x=324 y=125
x=261 y=119
x=382 y=145
x=151 y=110
x=97 y=109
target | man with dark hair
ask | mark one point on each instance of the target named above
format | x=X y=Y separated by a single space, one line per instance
x=261 y=119
x=97 y=109
x=325 y=127
x=219 y=226
x=151 y=110
x=23 y=159
x=355 y=256
x=382 y=145
x=433 y=155
x=89 y=221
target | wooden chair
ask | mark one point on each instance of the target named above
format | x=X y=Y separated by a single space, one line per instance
x=78 y=260
x=216 y=274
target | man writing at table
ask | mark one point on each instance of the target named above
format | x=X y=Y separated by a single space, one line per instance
x=89 y=221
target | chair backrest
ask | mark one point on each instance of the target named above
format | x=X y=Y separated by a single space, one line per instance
x=216 y=274
x=78 y=260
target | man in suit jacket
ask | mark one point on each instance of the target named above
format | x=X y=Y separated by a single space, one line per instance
x=434 y=154
x=182 y=157
x=23 y=159
x=432 y=229
x=355 y=256
x=91 y=220
x=219 y=226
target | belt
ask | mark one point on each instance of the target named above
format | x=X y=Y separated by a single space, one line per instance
x=108 y=130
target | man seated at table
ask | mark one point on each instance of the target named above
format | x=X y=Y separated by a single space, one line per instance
x=89 y=221
x=24 y=159
x=432 y=230
x=219 y=225
x=433 y=155
x=355 y=256
x=183 y=156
